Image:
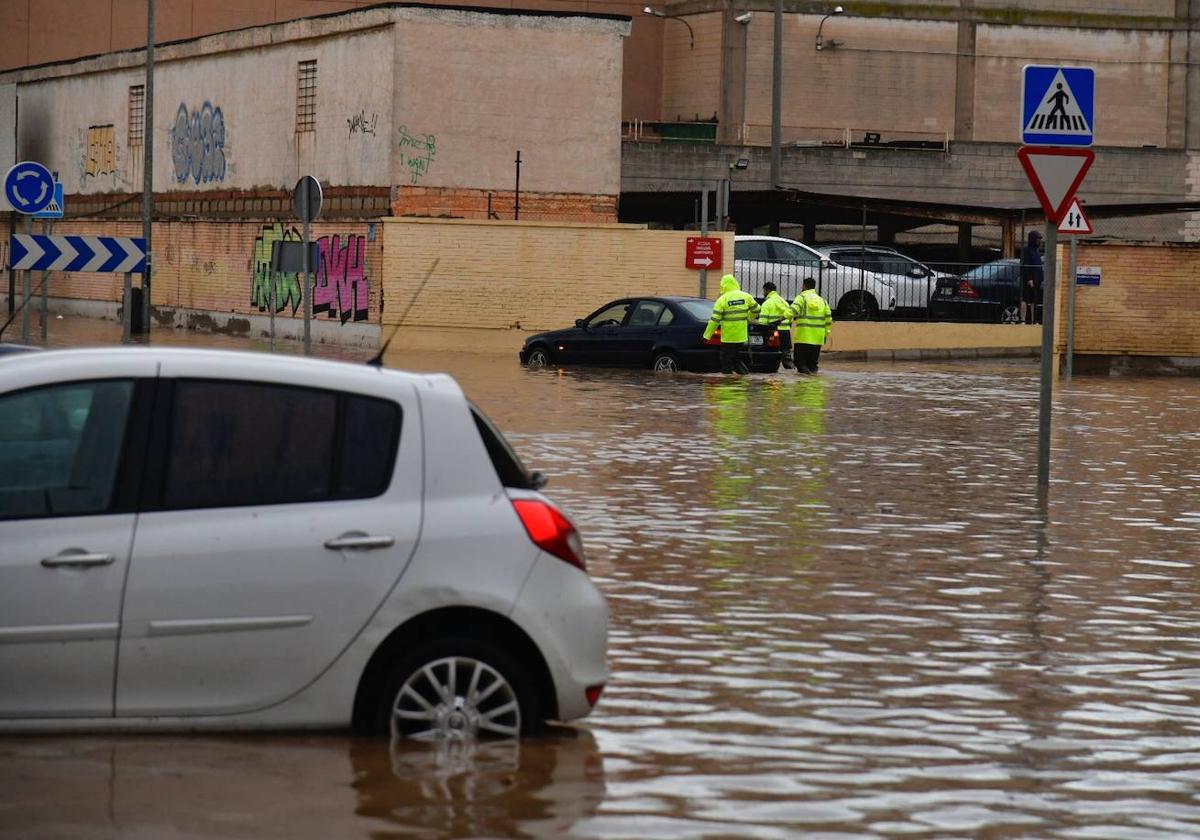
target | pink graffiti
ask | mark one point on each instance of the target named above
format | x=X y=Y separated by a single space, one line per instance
x=341 y=283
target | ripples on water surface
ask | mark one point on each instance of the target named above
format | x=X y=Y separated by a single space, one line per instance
x=836 y=612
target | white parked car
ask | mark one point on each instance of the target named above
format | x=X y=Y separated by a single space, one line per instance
x=205 y=539
x=852 y=294
x=913 y=282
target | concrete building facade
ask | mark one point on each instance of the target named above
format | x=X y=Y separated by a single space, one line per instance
x=416 y=101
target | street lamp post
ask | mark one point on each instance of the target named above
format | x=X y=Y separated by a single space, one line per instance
x=837 y=10
x=691 y=34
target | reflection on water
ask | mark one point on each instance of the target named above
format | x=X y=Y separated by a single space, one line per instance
x=836 y=611
x=296 y=787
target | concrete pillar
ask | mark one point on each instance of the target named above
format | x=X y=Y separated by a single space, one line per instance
x=1008 y=238
x=964 y=82
x=964 y=242
x=732 y=111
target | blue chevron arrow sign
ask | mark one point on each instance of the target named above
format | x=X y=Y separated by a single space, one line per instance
x=110 y=254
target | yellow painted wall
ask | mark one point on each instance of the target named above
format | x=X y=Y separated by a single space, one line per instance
x=1147 y=303
x=523 y=277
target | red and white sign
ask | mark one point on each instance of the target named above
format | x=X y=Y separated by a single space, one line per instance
x=1073 y=221
x=1055 y=175
x=703 y=252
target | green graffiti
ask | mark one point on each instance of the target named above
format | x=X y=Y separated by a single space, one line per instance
x=287 y=286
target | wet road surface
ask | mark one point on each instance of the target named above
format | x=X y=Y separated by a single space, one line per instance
x=837 y=612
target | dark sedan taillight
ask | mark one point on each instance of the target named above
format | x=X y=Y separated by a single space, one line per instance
x=966 y=290
x=773 y=341
x=714 y=339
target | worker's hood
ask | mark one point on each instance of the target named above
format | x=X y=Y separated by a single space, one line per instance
x=729 y=283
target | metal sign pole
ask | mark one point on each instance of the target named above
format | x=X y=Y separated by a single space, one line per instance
x=126 y=313
x=1049 y=270
x=308 y=293
x=1071 y=304
x=271 y=303
x=45 y=290
x=28 y=291
x=703 y=233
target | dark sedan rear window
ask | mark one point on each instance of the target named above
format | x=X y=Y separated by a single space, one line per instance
x=701 y=310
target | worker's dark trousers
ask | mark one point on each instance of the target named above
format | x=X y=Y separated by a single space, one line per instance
x=734 y=358
x=807 y=357
x=785 y=347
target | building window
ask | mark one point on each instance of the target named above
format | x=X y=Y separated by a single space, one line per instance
x=306 y=97
x=137 y=115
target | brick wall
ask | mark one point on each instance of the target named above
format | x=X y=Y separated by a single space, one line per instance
x=222 y=268
x=475 y=204
x=525 y=276
x=1147 y=303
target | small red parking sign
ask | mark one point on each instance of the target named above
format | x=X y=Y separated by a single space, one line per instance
x=703 y=252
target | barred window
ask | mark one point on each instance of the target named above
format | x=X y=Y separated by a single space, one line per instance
x=137 y=115
x=306 y=96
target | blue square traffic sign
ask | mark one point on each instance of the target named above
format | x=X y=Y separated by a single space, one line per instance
x=1058 y=105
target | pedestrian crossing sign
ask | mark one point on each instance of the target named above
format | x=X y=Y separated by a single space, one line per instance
x=1058 y=105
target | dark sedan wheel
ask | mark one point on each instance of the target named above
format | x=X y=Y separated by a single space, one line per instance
x=538 y=357
x=666 y=362
x=1010 y=315
x=857 y=306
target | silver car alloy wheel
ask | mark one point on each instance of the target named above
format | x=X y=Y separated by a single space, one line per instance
x=666 y=363
x=538 y=358
x=1010 y=315
x=458 y=697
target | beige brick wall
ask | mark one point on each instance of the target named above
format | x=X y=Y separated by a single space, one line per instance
x=221 y=267
x=1147 y=303
x=887 y=74
x=526 y=276
x=692 y=77
x=1131 y=79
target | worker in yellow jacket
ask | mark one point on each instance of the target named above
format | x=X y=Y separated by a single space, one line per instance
x=777 y=312
x=732 y=314
x=814 y=321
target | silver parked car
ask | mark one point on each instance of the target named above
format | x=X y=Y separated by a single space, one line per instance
x=205 y=539
x=852 y=294
x=913 y=282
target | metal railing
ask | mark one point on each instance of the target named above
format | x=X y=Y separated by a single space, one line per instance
x=753 y=134
x=987 y=293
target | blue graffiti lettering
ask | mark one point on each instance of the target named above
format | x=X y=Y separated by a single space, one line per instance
x=198 y=144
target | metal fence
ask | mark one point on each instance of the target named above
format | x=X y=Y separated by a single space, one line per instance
x=901 y=289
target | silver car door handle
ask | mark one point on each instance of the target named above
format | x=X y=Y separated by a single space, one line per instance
x=359 y=541
x=77 y=560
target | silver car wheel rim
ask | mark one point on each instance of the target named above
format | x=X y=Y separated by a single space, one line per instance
x=665 y=363
x=456 y=698
x=538 y=358
x=1011 y=315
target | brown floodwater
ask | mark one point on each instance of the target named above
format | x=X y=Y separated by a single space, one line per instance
x=837 y=611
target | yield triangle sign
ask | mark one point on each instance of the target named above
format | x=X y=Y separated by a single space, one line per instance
x=1073 y=221
x=1055 y=175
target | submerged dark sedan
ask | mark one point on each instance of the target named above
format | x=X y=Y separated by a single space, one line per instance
x=663 y=333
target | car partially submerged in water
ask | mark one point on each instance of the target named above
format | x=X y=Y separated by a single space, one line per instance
x=663 y=333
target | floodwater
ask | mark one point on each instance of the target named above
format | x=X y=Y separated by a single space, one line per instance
x=837 y=611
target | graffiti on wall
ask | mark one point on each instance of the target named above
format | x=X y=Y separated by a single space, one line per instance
x=198 y=144
x=287 y=286
x=341 y=284
x=101 y=150
x=360 y=123
x=417 y=152
x=340 y=288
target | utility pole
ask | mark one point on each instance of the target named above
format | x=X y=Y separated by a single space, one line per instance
x=148 y=167
x=777 y=106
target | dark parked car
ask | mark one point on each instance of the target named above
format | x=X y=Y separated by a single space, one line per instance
x=988 y=292
x=663 y=333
